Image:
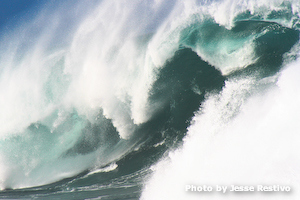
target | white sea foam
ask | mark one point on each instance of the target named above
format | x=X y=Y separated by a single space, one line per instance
x=258 y=146
x=108 y=168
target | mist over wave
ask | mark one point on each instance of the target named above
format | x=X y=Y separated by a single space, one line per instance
x=149 y=96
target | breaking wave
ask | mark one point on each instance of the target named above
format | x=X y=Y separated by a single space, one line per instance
x=149 y=96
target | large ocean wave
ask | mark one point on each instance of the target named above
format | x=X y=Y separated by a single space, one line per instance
x=137 y=99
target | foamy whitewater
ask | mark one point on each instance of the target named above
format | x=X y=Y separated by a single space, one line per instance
x=140 y=99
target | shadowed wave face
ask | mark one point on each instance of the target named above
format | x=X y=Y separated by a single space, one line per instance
x=99 y=98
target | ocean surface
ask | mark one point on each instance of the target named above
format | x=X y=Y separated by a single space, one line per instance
x=135 y=99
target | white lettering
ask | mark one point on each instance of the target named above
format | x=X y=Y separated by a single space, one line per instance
x=194 y=188
x=221 y=188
